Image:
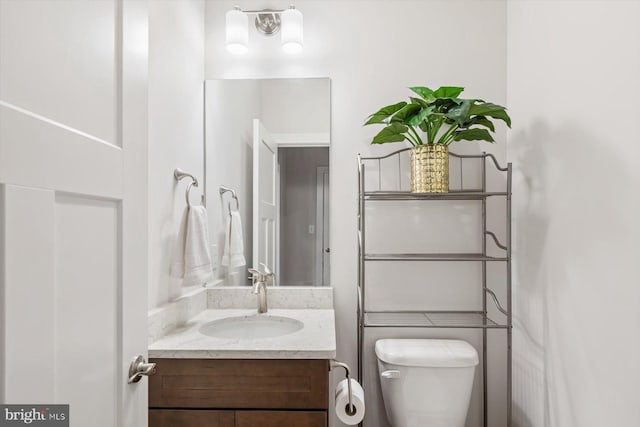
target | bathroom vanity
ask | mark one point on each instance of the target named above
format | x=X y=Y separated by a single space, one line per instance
x=228 y=366
x=240 y=393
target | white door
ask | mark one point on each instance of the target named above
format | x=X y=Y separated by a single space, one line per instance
x=265 y=198
x=73 y=211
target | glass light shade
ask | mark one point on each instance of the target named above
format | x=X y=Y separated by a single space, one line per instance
x=292 y=31
x=237 y=32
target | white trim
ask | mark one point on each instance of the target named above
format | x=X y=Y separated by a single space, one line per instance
x=319 y=139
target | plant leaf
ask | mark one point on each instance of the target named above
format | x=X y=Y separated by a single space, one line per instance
x=445 y=104
x=459 y=112
x=405 y=113
x=491 y=110
x=392 y=133
x=448 y=92
x=473 y=135
x=419 y=101
x=424 y=92
x=481 y=121
x=417 y=119
x=435 y=123
x=384 y=113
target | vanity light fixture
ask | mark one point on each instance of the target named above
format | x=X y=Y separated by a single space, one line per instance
x=292 y=30
x=237 y=33
x=268 y=22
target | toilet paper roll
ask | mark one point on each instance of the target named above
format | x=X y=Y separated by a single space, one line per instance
x=342 y=401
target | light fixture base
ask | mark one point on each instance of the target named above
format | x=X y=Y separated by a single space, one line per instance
x=268 y=22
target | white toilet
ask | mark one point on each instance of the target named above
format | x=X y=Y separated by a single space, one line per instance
x=426 y=382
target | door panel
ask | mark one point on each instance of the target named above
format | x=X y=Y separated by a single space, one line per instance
x=87 y=266
x=73 y=213
x=26 y=245
x=59 y=60
x=265 y=198
x=38 y=152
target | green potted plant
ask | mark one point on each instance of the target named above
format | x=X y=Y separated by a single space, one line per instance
x=430 y=123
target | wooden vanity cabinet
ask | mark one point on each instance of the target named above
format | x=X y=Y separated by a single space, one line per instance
x=239 y=393
x=190 y=418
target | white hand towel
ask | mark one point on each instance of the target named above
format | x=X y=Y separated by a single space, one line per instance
x=197 y=261
x=177 y=256
x=233 y=255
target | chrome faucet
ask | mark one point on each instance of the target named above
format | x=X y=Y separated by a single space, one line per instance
x=260 y=282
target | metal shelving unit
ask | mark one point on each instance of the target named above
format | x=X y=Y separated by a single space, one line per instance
x=441 y=319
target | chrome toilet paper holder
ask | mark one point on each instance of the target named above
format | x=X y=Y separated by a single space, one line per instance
x=350 y=409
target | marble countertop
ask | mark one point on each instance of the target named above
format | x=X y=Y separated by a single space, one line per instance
x=316 y=340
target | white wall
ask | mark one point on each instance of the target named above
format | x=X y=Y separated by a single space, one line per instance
x=230 y=110
x=176 y=99
x=573 y=85
x=372 y=51
x=296 y=106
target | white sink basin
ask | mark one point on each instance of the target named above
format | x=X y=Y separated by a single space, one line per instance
x=252 y=327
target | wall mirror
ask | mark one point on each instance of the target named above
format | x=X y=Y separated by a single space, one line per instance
x=267 y=150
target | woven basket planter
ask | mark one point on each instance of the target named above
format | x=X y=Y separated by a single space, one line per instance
x=430 y=169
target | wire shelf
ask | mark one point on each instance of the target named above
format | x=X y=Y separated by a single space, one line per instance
x=451 y=195
x=430 y=319
x=433 y=257
x=471 y=173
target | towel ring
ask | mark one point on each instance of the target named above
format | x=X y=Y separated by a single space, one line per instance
x=179 y=174
x=224 y=189
x=191 y=184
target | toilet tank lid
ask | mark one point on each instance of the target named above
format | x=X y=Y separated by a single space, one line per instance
x=427 y=353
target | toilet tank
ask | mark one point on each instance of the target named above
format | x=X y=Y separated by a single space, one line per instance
x=426 y=382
